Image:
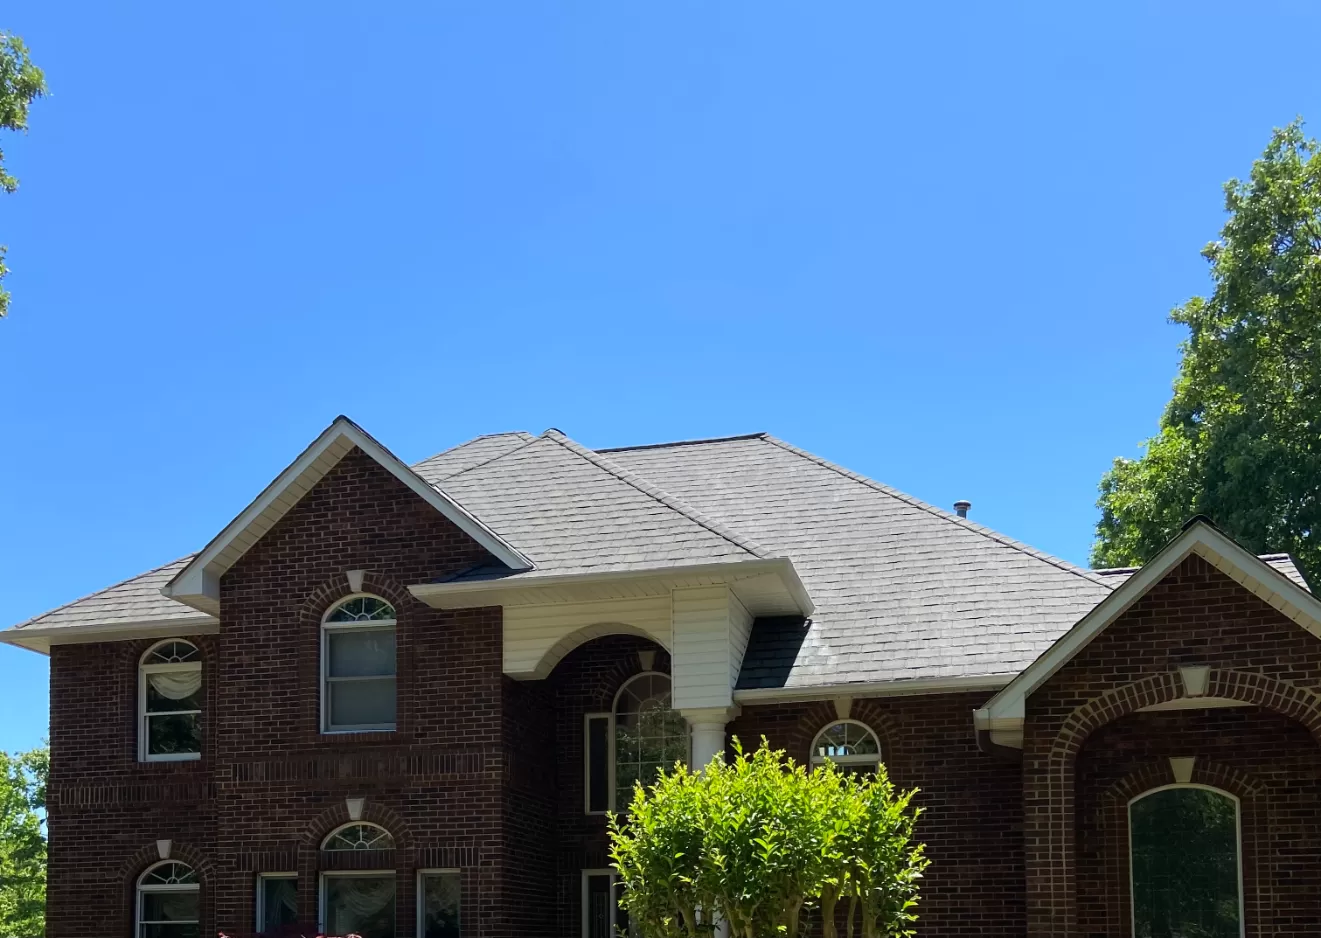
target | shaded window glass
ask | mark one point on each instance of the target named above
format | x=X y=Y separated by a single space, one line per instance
x=360 y=905
x=1185 y=864
x=598 y=763
x=600 y=907
x=168 y=904
x=440 y=905
x=278 y=902
x=649 y=736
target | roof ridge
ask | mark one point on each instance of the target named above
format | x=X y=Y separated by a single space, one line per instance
x=651 y=490
x=530 y=439
x=484 y=436
x=697 y=442
x=105 y=589
x=907 y=499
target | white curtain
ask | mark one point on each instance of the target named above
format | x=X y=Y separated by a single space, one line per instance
x=176 y=685
x=363 y=898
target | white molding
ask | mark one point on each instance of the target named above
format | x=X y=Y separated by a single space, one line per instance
x=1181 y=767
x=1194 y=703
x=647 y=659
x=420 y=896
x=843 y=707
x=861 y=689
x=1195 y=680
x=1201 y=538
x=355 y=578
x=163 y=849
x=354 y=806
x=198 y=583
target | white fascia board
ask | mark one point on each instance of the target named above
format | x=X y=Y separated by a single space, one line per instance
x=465 y=593
x=41 y=640
x=1009 y=707
x=934 y=685
x=199 y=582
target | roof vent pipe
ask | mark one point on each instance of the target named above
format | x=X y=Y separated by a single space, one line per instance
x=961 y=507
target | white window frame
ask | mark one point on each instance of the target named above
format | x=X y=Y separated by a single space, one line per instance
x=327 y=628
x=261 y=893
x=350 y=874
x=815 y=757
x=145 y=669
x=421 y=896
x=372 y=824
x=614 y=907
x=614 y=712
x=610 y=762
x=141 y=888
x=1238 y=847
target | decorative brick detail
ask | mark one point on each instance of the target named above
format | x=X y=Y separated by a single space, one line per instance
x=1195 y=616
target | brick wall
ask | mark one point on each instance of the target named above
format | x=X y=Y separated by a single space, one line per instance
x=973 y=821
x=1082 y=728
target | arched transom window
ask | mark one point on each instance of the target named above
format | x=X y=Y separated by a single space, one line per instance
x=1186 y=878
x=170 y=702
x=649 y=736
x=359 y=836
x=847 y=743
x=358 y=666
x=168 y=902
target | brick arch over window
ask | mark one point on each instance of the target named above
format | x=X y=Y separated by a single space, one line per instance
x=1110 y=817
x=148 y=855
x=311 y=612
x=373 y=812
x=796 y=739
x=1055 y=860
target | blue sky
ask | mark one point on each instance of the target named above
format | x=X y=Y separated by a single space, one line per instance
x=935 y=243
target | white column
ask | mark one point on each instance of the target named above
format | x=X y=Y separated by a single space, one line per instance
x=707 y=725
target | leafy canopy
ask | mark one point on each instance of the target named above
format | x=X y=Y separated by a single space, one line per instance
x=763 y=843
x=21 y=83
x=1240 y=441
x=23 y=842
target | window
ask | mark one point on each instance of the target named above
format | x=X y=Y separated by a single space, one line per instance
x=168 y=905
x=358 y=666
x=602 y=915
x=277 y=901
x=170 y=702
x=848 y=744
x=1184 y=843
x=358 y=903
x=359 y=836
x=637 y=741
x=438 y=904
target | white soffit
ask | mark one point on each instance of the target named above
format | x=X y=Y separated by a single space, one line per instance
x=1003 y=714
x=198 y=584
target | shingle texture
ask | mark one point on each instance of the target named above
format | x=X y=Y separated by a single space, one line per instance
x=903 y=590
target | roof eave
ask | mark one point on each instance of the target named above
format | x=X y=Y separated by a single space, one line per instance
x=40 y=640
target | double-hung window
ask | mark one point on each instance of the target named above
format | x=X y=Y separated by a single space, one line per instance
x=358 y=666
x=277 y=902
x=170 y=702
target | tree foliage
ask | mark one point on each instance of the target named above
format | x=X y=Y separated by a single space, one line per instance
x=1240 y=441
x=762 y=842
x=23 y=842
x=21 y=83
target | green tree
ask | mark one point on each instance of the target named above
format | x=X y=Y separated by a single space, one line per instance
x=761 y=843
x=23 y=842
x=21 y=83
x=1240 y=441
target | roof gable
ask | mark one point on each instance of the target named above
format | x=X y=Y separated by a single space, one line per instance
x=1255 y=574
x=197 y=584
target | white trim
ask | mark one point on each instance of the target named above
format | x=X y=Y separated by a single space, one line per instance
x=261 y=894
x=40 y=640
x=198 y=584
x=372 y=824
x=421 y=896
x=166 y=668
x=1194 y=703
x=614 y=917
x=913 y=686
x=327 y=729
x=1238 y=844
x=815 y=758
x=1004 y=713
x=609 y=718
x=350 y=874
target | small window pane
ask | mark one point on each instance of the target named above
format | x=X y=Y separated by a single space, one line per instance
x=170 y=906
x=359 y=837
x=362 y=609
x=361 y=654
x=362 y=703
x=440 y=905
x=1185 y=864
x=360 y=905
x=172 y=653
x=178 y=734
x=172 y=873
x=600 y=907
x=279 y=902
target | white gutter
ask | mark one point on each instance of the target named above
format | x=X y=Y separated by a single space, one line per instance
x=933 y=685
x=40 y=640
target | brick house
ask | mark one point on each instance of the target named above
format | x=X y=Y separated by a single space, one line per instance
x=403 y=700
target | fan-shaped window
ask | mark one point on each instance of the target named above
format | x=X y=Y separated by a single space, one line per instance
x=649 y=736
x=358 y=666
x=168 y=902
x=170 y=702
x=359 y=837
x=1184 y=842
x=847 y=743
